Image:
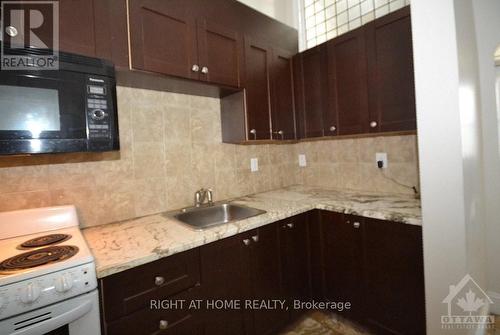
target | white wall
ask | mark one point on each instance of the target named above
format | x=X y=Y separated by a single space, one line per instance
x=487 y=14
x=448 y=116
x=285 y=11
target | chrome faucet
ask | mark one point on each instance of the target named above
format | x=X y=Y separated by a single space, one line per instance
x=201 y=195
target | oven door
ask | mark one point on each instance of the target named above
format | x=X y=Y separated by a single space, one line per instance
x=75 y=316
x=42 y=112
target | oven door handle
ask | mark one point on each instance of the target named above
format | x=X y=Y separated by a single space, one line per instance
x=57 y=321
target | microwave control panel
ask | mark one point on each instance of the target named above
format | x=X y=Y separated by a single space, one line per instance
x=98 y=99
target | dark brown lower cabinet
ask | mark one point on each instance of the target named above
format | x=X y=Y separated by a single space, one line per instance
x=343 y=261
x=295 y=260
x=394 y=277
x=375 y=265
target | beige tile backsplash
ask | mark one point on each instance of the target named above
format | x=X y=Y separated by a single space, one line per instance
x=171 y=146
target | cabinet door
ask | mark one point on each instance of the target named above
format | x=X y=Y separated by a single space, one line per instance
x=220 y=53
x=283 y=109
x=348 y=108
x=316 y=237
x=314 y=90
x=391 y=79
x=343 y=260
x=257 y=86
x=226 y=275
x=77 y=27
x=163 y=37
x=394 y=277
x=266 y=279
x=294 y=244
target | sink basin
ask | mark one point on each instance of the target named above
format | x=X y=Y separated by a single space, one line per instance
x=205 y=217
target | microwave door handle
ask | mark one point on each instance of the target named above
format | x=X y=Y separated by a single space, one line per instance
x=57 y=321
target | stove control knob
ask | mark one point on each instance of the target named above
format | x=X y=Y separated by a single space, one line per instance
x=30 y=293
x=64 y=283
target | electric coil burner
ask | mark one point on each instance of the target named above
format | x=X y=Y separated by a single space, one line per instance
x=37 y=257
x=44 y=240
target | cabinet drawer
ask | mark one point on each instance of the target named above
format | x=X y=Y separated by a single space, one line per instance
x=131 y=290
x=180 y=321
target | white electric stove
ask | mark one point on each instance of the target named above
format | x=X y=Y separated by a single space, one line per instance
x=48 y=283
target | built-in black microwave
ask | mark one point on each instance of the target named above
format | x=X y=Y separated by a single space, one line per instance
x=72 y=109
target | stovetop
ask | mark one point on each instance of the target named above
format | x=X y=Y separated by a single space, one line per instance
x=56 y=244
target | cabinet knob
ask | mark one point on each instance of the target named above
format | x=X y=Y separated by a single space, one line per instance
x=280 y=133
x=254 y=133
x=289 y=225
x=333 y=128
x=159 y=281
x=356 y=225
x=246 y=241
x=255 y=238
x=204 y=70
x=373 y=124
x=195 y=68
x=163 y=324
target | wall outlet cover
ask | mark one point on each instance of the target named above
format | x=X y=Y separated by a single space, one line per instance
x=381 y=157
x=254 y=164
x=302 y=160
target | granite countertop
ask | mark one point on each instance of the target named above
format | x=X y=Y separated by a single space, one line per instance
x=124 y=245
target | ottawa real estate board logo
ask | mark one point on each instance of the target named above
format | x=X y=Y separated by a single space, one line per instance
x=30 y=35
x=466 y=300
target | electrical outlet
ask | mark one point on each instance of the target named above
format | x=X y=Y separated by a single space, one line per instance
x=381 y=157
x=302 y=160
x=254 y=164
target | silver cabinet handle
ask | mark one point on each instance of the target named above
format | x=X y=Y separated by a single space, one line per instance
x=356 y=225
x=204 y=70
x=289 y=225
x=373 y=124
x=163 y=324
x=195 y=68
x=159 y=281
x=254 y=133
x=255 y=238
x=333 y=128
x=246 y=241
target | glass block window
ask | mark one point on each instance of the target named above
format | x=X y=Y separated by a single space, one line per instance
x=326 y=19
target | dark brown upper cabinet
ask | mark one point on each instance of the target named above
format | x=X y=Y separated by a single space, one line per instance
x=283 y=106
x=94 y=28
x=391 y=76
x=258 y=58
x=312 y=91
x=163 y=38
x=220 y=51
x=348 y=90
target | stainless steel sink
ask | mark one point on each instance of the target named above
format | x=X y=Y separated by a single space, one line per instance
x=205 y=217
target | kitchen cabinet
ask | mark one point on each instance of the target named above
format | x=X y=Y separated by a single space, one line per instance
x=394 y=277
x=126 y=296
x=343 y=260
x=283 y=104
x=258 y=58
x=245 y=266
x=226 y=275
x=348 y=91
x=220 y=53
x=295 y=259
x=173 y=51
x=94 y=28
x=375 y=265
x=391 y=76
x=312 y=91
x=358 y=83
